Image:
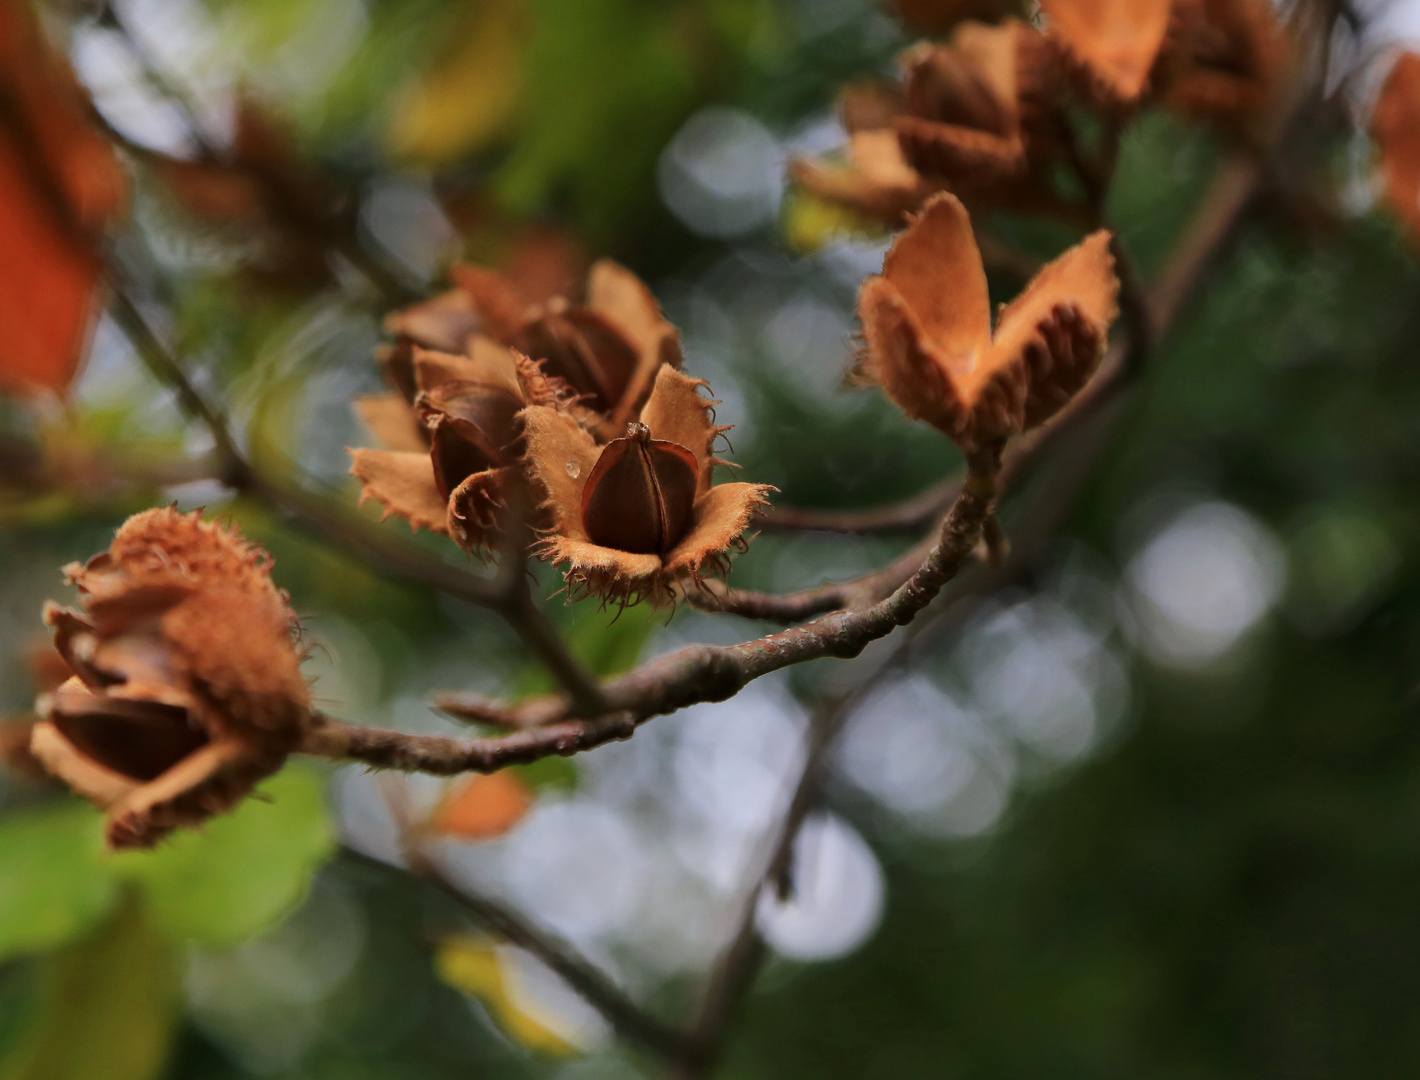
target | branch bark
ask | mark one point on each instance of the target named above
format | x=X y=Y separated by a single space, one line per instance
x=695 y=674
x=585 y=978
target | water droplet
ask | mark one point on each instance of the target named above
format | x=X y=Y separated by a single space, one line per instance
x=574 y=470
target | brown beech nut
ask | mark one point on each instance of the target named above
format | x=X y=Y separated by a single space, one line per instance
x=640 y=496
x=639 y=516
x=452 y=444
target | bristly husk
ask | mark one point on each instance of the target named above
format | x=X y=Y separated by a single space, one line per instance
x=1227 y=61
x=472 y=398
x=1110 y=45
x=562 y=456
x=187 y=686
x=976 y=115
x=927 y=329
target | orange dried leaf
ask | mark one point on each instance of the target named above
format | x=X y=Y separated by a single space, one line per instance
x=1395 y=126
x=48 y=280
x=483 y=807
x=60 y=184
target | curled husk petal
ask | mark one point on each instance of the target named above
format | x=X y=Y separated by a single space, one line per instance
x=461 y=473
x=876 y=181
x=1111 y=44
x=402 y=482
x=607 y=349
x=476 y=506
x=929 y=344
x=443 y=322
x=562 y=457
x=392 y=422
x=187 y=687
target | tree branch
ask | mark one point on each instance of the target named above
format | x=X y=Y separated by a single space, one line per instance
x=695 y=674
x=739 y=963
x=579 y=973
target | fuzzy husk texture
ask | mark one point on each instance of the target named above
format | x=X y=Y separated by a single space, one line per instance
x=187 y=687
x=561 y=457
x=928 y=336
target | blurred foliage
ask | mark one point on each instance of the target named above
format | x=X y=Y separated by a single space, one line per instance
x=1225 y=888
x=473 y=967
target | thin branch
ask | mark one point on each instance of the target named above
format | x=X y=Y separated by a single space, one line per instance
x=579 y=973
x=742 y=958
x=695 y=674
x=910 y=514
x=795 y=607
x=234 y=470
x=339 y=231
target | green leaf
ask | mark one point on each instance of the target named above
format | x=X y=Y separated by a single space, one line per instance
x=548 y=774
x=241 y=874
x=106 y=1008
x=53 y=881
x=610 y=642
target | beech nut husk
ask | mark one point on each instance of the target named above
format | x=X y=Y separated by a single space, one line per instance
x=451 y=461
x=929 y=341
x=187 y=687
x=635 y=518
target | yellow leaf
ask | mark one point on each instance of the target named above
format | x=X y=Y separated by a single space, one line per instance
x=809 y=222
x=474 y=967
x=467 y=97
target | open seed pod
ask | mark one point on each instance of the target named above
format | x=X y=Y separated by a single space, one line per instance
x=451 y=462
x=633 y=518
x=187 y=687
x=1230 y=62
x=875 y=180
x=1110 y=45
x=606 y=350
x=929 y=343
x=968 y=102
x=973 y=115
